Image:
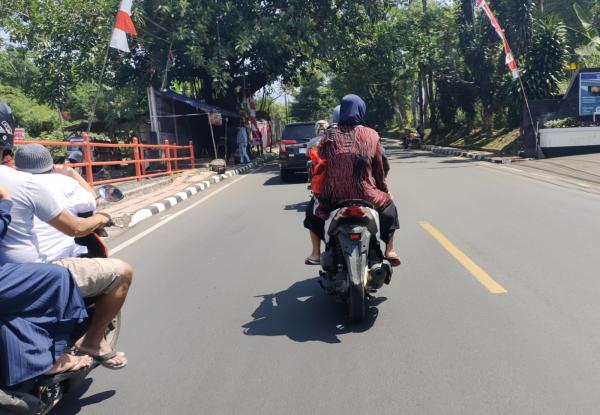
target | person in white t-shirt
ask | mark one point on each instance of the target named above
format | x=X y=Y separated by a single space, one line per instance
x=72 y=193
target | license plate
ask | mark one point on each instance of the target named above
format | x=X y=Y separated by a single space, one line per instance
x=302 y=151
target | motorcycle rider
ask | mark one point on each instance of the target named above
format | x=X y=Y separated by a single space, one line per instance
x=315 y=241
x=355 y=169
x=39 y=306
x=107 y=279
x=68 y=188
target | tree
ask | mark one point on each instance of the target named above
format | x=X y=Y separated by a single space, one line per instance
x=66 y=40
x=225 y=46
x=544 y=64
x=315 y=99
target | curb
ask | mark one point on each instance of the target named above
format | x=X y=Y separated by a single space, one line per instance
x=156 y=208
x=468 y=154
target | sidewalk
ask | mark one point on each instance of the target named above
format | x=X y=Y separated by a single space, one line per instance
x=581 y=168
x=149 y=197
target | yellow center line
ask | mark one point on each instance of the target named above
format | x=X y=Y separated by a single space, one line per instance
x=479 y=274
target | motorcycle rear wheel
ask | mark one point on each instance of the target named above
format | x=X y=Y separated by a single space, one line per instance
x=357 y=303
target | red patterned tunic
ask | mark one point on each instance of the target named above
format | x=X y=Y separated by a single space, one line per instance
x=354 y=168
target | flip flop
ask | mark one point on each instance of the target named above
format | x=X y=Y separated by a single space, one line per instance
x=310 y=261
x=103 y=360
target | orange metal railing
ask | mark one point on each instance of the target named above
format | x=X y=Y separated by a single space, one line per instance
x=172 y=160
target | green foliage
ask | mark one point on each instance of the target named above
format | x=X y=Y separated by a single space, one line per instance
x=35 y=118
x=65 y=40
x=563 y=123
x=224 y=46
x=315 y=100
x=546 y=61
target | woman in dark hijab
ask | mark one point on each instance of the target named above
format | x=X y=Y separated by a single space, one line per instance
x=355 y=170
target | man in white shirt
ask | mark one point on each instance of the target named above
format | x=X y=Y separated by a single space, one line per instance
x=73 y=193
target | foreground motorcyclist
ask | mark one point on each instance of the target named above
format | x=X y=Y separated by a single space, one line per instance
x=354 y=169
x=106 y=279
x=39 y=306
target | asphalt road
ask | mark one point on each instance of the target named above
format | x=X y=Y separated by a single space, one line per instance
x=224 y=317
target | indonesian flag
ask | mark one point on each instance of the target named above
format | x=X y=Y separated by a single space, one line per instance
x=510 y=60
x=123 y=25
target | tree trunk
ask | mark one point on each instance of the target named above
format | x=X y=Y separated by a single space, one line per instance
x=488 y=121
x=421 y=100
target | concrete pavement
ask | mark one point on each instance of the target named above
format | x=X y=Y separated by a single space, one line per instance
x=224 y=318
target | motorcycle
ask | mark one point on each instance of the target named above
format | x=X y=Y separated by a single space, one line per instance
x=40 y=395
x=353 y=264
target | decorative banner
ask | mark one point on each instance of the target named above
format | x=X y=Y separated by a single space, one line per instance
x=123 y=25
x=510 y=60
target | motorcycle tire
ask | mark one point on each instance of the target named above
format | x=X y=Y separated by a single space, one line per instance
x=357 y=303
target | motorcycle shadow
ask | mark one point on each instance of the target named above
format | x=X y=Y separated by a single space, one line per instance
x=73 y=403
x=304 y=312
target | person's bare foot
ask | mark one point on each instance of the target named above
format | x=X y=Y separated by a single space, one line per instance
x=393 y=257
x=69 y=363
x=97 y=352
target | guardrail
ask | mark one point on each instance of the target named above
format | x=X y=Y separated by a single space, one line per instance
x=172 y=161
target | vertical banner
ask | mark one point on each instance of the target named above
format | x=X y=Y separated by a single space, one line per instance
x=510 y=60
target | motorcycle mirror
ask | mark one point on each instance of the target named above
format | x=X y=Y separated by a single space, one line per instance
x=110 y=193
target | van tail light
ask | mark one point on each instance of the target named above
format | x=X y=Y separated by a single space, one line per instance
x=286 y=142
x=353 y=212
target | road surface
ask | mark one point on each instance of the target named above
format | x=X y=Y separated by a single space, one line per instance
x=494 y=311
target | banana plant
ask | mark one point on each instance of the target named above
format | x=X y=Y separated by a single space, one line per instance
x=589 y=30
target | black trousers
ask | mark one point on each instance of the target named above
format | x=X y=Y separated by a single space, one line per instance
x=388 y=221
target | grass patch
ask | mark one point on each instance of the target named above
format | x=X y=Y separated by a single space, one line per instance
x=503 y=142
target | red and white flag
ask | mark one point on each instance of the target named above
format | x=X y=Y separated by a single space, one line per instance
x=510 y=60
x=123 y=25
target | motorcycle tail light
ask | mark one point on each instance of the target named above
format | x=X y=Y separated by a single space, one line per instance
x=353 y=212
x=355 y=236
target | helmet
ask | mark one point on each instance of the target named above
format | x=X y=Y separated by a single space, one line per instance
x=7 y=126
x=321 y=126
x=335 y=115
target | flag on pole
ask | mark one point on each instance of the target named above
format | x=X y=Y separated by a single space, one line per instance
x=510 y=60
x=123 y=25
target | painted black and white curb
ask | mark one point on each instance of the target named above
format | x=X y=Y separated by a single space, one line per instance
x=188 y=192
x=468 y=154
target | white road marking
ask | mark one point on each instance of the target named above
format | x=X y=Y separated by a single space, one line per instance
x=169 y=219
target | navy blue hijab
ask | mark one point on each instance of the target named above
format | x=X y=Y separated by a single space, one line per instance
x=352 y=111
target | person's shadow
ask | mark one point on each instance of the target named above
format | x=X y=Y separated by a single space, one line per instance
x=73 y=403
x=304 y=312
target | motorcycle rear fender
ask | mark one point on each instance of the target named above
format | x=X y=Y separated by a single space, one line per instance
x=332 y=223
x=355 y=251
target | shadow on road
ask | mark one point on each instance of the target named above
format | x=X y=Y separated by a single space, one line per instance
x=304 y=313
x=73 y=403
x=298 y=207
x=276 y=180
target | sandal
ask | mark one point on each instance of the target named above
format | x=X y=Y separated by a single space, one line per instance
x=103 y=360
x=310 y=261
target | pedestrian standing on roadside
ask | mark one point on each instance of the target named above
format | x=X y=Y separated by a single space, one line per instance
x=242 y=141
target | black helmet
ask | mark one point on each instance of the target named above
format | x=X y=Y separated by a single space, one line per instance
x=7 y=126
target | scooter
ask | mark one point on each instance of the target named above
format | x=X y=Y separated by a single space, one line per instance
x=40 y=395
x=353 y=263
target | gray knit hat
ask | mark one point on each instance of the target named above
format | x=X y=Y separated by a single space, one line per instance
x=33 y=158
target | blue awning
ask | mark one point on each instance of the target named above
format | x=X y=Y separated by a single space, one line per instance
x=196 y=104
